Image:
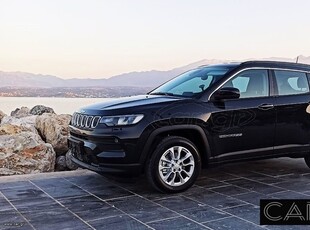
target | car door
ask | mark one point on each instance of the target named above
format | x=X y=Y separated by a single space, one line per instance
x=244 y=127
x=293 y=112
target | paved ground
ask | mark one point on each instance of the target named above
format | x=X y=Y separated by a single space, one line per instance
x=225 y=197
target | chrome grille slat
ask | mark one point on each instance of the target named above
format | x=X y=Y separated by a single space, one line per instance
x=79 y=120
x=95 y=121
x=88 y=121
x=74 y=119
x=85 y=121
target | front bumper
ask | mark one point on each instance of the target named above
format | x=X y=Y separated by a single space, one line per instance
x=105 y=155
x=132 y=169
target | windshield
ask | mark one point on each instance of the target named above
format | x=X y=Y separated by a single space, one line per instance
x=193 y=82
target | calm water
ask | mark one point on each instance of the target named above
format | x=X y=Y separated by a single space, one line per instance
x=60 y=105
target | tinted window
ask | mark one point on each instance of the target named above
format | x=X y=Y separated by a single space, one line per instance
x=251 y=83
x=290 y=82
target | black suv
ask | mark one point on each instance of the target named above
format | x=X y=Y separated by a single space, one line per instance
x=212 y=114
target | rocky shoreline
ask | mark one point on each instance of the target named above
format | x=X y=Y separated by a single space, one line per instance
x=33 y=141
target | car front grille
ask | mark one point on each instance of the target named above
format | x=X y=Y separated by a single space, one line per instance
x=85 y=121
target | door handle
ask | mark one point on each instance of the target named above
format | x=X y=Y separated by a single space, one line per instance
x=266 y=106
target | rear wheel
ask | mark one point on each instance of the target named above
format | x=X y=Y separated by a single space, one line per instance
x=174 y=165
x=307 y=160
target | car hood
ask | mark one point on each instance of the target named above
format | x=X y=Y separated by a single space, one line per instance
x=128 y=102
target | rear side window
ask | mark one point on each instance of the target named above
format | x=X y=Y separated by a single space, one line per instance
x=291 y=82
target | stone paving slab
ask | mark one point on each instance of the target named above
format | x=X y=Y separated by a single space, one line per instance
x=224 y=197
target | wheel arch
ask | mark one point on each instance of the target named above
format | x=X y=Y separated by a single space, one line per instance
x=193 y=133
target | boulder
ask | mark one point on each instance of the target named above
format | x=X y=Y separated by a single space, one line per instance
x=61 y=163
x=24 y=152
x=40 y=109
x=26 y=123
x=70 y=164
x=20 y=112
x=2 y=115
x=54 y=130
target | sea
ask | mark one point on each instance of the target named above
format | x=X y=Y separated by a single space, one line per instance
x=60 y=105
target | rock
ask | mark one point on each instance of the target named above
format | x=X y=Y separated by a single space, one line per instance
x=60 y=163
x=9 y=172
x=54 y=130
x=22 y=112
x=70 y=164
x=40 y=109
x=23 y=152
x=26 y=123
x=8 y=129
x=2 y=115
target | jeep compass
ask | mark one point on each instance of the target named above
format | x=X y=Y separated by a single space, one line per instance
x=209 y=115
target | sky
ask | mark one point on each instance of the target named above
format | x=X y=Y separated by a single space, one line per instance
x=102 y=38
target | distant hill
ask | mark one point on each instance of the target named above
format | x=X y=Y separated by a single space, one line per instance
x=138 y=79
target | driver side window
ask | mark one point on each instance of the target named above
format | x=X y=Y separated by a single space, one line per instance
x=251 y=83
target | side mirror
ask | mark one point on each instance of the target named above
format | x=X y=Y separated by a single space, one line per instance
x=226 y=93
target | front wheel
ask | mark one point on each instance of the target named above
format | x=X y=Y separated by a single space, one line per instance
x=174 y=165
x=307 y=160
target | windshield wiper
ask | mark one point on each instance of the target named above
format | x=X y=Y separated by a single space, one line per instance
x=162 y=93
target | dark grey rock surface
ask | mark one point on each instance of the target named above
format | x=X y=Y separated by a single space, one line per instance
x=40 y=109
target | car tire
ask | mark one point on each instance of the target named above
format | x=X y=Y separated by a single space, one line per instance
x=174 y=165
x=307 y=160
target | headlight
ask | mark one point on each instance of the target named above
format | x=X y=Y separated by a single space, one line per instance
x=121 y=120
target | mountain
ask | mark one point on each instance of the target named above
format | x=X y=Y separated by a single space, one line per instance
x=21 y=79
x=138 y=79
x=301 y=59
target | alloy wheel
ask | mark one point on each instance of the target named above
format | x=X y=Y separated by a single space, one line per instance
x=176 y=166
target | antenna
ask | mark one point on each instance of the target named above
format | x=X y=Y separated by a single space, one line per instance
x=297 y=59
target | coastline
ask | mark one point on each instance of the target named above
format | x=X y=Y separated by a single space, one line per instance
x=59 y=104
